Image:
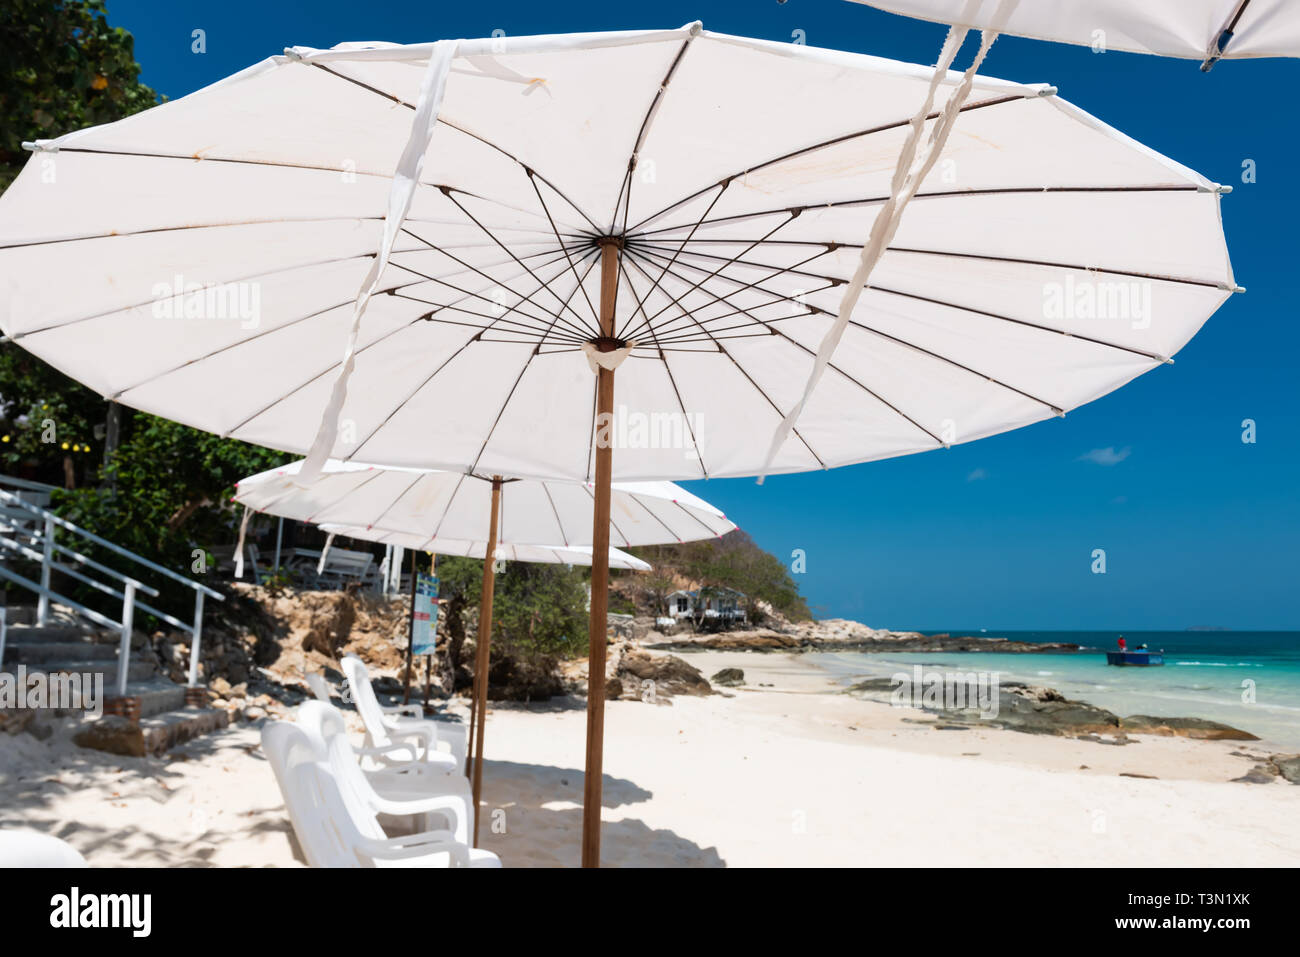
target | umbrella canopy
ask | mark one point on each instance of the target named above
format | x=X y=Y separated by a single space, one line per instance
x=545 y=554
x=519 y=219
x=215 y=282
x=425 y=505
x=1205 y=30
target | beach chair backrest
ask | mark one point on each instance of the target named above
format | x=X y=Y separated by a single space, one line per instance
x=294 y=759
x=363 y=696
x=24 y=848
x=325 y=727
x=319 y=686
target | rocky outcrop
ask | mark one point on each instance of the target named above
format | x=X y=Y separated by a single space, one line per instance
x=1200 y=728
x=1035 y=709
x=113 y=734
x=669 y=675
x=837 y=635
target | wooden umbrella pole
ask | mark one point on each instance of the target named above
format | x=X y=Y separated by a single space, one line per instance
x=482 y=659
x=410 y=636
x=596 y=632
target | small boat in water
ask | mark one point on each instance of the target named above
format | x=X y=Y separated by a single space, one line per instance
x=1141 y=659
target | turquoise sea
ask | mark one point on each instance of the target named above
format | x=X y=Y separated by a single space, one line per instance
x=1207 y=674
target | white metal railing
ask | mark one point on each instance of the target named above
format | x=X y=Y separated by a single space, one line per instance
x=29 y=531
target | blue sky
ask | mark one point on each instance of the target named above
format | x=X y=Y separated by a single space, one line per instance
x=1199 y=528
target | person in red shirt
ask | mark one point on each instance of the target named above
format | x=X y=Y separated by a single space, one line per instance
x=1122 y=646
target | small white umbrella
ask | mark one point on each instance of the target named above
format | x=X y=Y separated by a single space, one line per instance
x=545 y=554
x=525 y=217
x=433 y=504
x=1205 y=30
x=458 y=513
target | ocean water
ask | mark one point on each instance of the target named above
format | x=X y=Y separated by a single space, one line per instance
x=1207 y=674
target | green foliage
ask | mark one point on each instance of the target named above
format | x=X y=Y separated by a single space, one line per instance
x=62 y=68
x=732 y=561
x=540 y=610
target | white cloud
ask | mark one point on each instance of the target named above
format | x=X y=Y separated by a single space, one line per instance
x=976 y=475
x=1106 y=456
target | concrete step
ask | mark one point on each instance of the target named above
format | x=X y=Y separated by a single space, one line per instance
x=32 y=653
x=140 y=669
x=157 y=696
x=57 y=634
x=167 y=729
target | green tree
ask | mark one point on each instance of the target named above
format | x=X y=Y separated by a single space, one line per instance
x=62 y=68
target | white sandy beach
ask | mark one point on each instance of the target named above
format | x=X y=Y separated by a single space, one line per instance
x=789 y=775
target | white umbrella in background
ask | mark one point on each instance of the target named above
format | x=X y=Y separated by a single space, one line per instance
x=1205 y=30
x=676 y=209
x=544 y=554
x=454 y=513
x=432 y=504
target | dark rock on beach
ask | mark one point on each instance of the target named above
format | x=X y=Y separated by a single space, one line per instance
x=670 y=674
x=729 y=678
x=1039 y=710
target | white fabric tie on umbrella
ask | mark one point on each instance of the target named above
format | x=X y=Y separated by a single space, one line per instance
x=1206 y=30
x=902 y=188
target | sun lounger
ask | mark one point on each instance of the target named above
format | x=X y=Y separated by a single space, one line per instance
x=414 y=790
x=420 y=736
x=335 y=831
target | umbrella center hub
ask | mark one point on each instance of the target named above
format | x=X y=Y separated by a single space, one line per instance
x=607 y=343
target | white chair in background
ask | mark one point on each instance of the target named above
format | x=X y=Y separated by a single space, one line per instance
x=336 y=831
x=319 y=686
x=419 y=736
x=34 y=849
x=414 y=790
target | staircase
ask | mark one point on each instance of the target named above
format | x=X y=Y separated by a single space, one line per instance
x=86 y=642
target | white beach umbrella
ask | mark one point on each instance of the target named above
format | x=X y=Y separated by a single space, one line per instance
x=680 y=206
x=1205 y=30
x=543 y=554
x=454 y=513
x=431 y=504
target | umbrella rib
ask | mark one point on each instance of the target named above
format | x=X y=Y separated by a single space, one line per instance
x=835 y=281
x=777 y=270
x=903 y=342
x=649 y=320
x=653 y=109
x=450 y=125
x=492 y=279
x=546 y=209
x=612 y=524
x=546 y=490
x=346 y=492
x=803 y=151
x=939 y=194
x=564 y=304
x=667 y=369
x=225 y=282
x=400 y=495
x=703 y=524
x=447 y=508
x=677 y=300
x=523 y=328
x=649 y=511
x=527 y=362
x=293 y=322
x=474 y=295
x=750 y=380
x=1039 y=262
x=865 y=388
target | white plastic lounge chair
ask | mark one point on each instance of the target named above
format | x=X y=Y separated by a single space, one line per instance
x=412 y=790
x=319 y=686
x=336 y=833
x=33 y=849
x=384 y=727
